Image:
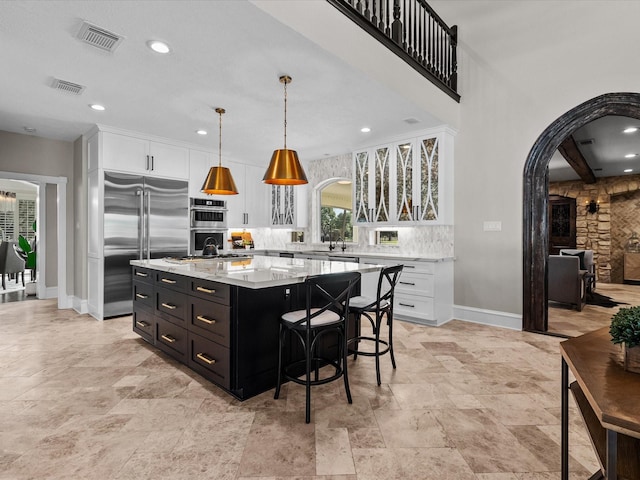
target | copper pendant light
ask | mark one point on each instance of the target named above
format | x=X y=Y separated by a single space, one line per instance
x=219 y=181
x=285 y=168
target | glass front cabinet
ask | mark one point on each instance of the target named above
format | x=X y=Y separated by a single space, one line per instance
x=288 y=206
x=405 y=182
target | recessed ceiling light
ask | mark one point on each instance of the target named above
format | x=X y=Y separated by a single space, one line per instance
x=365 y=129
x=158 y=47
x=630 y=155
x=201 y=132
x=97 y=107
x=344 y=182
x=628 y=170
x=630 y=130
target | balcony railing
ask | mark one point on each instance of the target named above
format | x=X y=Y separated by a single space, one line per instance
x=414 y=32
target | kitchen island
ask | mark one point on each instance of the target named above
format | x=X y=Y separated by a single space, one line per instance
x=221 y=316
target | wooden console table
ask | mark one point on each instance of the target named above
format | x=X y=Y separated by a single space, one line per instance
x=608 y=399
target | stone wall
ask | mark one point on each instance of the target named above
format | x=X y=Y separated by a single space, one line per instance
x=594 y=230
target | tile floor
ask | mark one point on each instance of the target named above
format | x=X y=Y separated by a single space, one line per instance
x=83 y=399
x=565 y=320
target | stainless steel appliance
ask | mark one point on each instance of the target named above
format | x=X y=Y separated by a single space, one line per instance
x=208 y=213
x=144 y=217
x=208 y=225
x=199 y=237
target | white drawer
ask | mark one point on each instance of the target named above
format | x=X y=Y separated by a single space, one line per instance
x=416 y=284
x=419 y=267
x=411 y=306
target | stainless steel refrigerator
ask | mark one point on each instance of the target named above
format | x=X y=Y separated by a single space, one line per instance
x=144 y=218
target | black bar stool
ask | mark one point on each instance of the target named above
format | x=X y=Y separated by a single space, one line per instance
x=326 y=312
x=374 y=309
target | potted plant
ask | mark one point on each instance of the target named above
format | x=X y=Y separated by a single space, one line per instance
x=625 y=329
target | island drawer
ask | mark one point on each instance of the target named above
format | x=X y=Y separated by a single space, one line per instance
x=210 y=320
x=210 y=360
x=172 y=281
x=142 y=294
x=171 y=339
x=172 y=306
x=142 y=275
x=143 y=324
x=218 y=292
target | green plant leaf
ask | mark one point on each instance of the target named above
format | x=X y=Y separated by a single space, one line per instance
x=24 y=244
x=625 y=326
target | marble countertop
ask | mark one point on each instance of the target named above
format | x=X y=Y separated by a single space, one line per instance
x=256 y=271
x=351 y=254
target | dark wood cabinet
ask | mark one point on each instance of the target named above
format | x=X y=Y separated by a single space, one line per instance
x=227 y=334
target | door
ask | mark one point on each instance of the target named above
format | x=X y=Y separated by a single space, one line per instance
x=167 y=207
x=122 y=226
x=562 y=223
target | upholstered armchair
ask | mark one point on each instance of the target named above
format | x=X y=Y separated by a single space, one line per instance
x=586 y=263
x=566 y=281
x=10 y=262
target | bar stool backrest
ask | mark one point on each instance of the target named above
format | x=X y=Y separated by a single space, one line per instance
x=389 y=277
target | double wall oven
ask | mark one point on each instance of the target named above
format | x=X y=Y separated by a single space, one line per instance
x=208 y=224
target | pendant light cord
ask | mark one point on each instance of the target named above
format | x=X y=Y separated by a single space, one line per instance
x=285 y=114
x=220 y=141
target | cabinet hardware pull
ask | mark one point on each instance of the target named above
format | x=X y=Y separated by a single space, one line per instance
x=406 y=305
x=140 y=295
x=205 y=290
x=147 y=164
x=169 y=306
x=142 y=324
x=152 y=162
x=205 y=320
x=142 y=274
x=407 y=283
x=168 y=280
x=168 y=338
x=205 y=359
x=409 y=266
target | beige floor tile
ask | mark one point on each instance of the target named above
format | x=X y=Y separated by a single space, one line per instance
x=92 y=400
x=333 y=452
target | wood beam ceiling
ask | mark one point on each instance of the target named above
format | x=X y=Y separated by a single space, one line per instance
x=569 y=150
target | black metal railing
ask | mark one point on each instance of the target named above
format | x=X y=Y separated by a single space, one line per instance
x=414 y=32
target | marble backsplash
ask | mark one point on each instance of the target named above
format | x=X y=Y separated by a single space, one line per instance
x=426 y=240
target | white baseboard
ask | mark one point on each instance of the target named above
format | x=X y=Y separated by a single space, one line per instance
x=488 y=317
x=80 y=305
x=51 y=292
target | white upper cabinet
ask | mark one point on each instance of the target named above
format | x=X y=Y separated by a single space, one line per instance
x=130 y=154
x=405 y=182
x=250 y=208
x=289 y=206
x=199 y=164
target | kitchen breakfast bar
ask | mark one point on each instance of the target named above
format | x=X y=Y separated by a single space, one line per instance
x=221 y=317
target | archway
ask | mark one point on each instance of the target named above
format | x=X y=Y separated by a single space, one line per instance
x=536 y=192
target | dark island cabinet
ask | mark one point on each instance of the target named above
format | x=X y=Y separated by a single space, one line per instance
x=227 y=334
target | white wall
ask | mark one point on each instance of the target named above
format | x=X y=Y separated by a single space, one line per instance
x=520 y=70
x=28 y=154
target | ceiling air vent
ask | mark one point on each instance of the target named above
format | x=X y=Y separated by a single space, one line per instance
x=99 y=37
x=67 y=87
x=588 y=141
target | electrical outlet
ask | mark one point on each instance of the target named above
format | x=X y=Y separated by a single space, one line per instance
x=493 y=226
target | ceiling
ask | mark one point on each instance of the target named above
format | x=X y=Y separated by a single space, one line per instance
x=603 y=145
x=224 y=54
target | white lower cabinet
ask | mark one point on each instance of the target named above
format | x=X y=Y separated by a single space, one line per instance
x=424 y=293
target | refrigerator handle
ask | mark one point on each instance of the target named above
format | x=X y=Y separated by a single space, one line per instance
x=147 y=218
x=141 y=229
